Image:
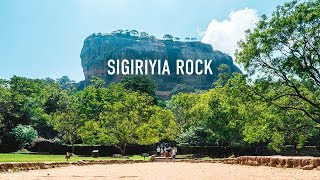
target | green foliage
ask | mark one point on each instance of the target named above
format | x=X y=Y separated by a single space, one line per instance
x=235 y=115
x=139 y=83
x=91 y=101
x=24 y=135
x=27 y=99
x=283 y=51
x=181 y=88
x=5 y=108
x=280 y=107
x=197 y=136
x=129 y=119
x=56 y=102
x=96 y=82
x=67 y=124
x=66 y=83
x=161 y=103
x=208 y=110
x=181 y=107
x=224 y=118
x=223 y=76
x=265 y=122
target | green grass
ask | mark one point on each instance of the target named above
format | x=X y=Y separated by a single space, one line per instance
x=209 y=158
x=15 y=157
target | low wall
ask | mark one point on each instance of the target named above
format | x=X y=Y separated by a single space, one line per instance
x=7 y=167
x=212 y=151
x=51 y=148
x=223 y=152
x=305 y=163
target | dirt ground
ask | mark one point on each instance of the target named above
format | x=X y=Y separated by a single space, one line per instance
x=164 y=170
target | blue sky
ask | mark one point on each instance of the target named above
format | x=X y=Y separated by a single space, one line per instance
x=43 y=38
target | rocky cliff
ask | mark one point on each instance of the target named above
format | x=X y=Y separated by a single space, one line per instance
x=99 y=48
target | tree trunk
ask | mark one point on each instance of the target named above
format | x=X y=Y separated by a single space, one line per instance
x=122 y=149
x=72 y=148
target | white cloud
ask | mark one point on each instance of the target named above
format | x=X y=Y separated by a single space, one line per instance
x=223 y=36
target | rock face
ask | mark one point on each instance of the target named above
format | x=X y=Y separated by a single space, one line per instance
x=98 y=49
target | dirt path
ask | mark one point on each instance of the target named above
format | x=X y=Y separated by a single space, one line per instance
x=163 y=170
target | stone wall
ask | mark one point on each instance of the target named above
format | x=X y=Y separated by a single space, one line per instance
x=302 y=162
x=15 y=166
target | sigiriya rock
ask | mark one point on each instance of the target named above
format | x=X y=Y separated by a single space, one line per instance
x=99 y=48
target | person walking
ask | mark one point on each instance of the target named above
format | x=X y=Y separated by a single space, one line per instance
x=158 y=151
x=174 y=151
x=167 y=152
x=161 y=151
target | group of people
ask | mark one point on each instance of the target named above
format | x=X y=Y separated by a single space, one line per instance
x=165 y=150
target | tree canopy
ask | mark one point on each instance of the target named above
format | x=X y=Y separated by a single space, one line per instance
x=283 y=52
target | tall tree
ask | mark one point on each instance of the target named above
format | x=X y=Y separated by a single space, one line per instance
x=130 y=119
x=67 y=124
x=283 y=51
x=142 y=84
x=5 y=109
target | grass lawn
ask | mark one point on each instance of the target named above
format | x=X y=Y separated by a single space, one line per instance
x=14 y=157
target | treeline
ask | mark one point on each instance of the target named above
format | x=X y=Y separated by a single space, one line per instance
x=95 y=115
x=143 y=35
x=276 y=104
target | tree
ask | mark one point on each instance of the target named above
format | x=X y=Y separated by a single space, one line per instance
x=134 y=33
x=181 y=88
x=259 y=121
x=92 y=100
x=67 y=124
x=168 y=37
x=224 y=119
x=283 y=51
x=131 y=119
x=27 y=100
x=24 y=134
x=127 y=33
x=5 y=108
x=96 y=82
x=119 y=32
x=152 y=37
x=197 y=136
x=57 y=101
x=144 y=35
x=181 y=107
x=233 y=114
x=142 y=84
x=209 y=112
x=223 y=76
x=66 y=83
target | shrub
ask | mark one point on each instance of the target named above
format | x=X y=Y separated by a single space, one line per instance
x=24 y=135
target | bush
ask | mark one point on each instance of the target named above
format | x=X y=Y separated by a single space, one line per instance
x=197 y=136
x=24 y=135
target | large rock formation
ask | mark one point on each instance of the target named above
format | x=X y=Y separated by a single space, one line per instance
x=99 y=48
